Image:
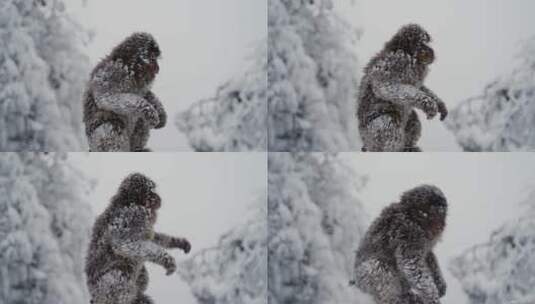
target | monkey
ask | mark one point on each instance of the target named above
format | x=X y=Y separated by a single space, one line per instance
x=119 y=106
x=392 y=88
x=123 y=239
x=395 y=262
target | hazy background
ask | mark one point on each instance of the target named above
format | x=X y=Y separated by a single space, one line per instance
x=474 y=41
x=483 y=191
x=203 y=43
x=203 y=196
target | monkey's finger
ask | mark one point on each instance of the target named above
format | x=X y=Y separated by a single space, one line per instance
x=431 y=115
x=170 y=271
x=443 y=114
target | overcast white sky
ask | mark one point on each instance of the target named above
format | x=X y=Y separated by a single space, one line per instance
x=483 y=191
x=203 y=196
x=204 y=44
x=475 y=41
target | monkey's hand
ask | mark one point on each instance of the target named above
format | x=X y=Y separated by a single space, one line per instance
x=167 y=241
x=442 y=109
x=180 y=243
x=440 y=104
x=184 y=244
x=157 y=104
x=441 y=286
x=168 y=262
x=150 y=115
x=430 y=106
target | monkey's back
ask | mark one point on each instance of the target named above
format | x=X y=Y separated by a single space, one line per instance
x=101 y=257
x=391 y=229
x=110 y=78
x=385 y=68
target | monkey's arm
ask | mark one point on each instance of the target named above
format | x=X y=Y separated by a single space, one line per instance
x=155 y=102
x=405 y=94
x=441 y=105
x=129 y=105
x=411 y=261
x=432 y=263
x=167 y=241
x=113 y=97
x=130 y=238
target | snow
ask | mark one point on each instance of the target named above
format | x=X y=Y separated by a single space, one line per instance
x=313 y=73
x=235 y=119
x=44 y=229
x=235 y=270
x=316 y=220
x=501 y=269
x=43 y=69
x=502 y=118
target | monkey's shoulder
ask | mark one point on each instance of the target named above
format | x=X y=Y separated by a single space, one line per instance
x=114 y=75
x=395 y=66
x=395 y=221
x=132 y=216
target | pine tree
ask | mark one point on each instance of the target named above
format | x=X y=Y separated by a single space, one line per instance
x=42 y=75
x=235 y=270
x=315 y=223
x=501 y=270
x=235 y=119
x=502 y=118
x=44 y=229
x=313 y=77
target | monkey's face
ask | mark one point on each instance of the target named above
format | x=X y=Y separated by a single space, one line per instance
x=425 y=54
x=152 y=200
x=437 y=207
x=413 y=40
x=428 y=206
x=153 y=53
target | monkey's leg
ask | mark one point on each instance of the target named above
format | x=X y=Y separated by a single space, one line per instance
x=116 y=286
x=381 y=281
x=143 y=299
x=142 y=284
x=383 y=134
x=140 y=136
x=109 y=137
x=413 y=132
x=142 y=280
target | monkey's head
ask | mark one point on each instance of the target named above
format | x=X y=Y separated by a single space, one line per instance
x=138 y=189
x=426 y=205
x=140 y=52
x=413 y=40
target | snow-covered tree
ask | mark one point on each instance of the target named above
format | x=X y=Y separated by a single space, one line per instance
x=42 y=76
x=315 y=223
x=235 y=270
x=502 y=118
x=235 y=119
x=313 y=77
x=503 y=269
x=44 y=228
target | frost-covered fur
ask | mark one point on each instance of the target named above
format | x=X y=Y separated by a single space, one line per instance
x=123 y=239
x=119 y=108
x=395 y=262
x=392 y=87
